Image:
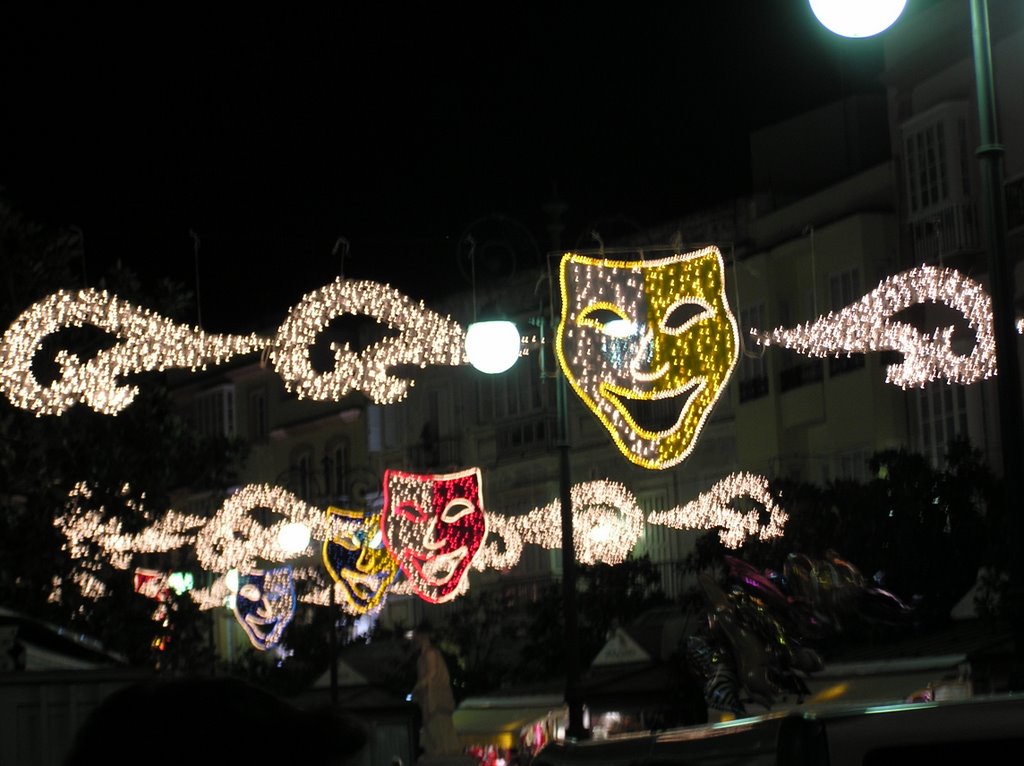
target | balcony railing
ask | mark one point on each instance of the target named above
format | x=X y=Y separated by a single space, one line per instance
x=446 y=451
x=945 y=232
x=801 y=374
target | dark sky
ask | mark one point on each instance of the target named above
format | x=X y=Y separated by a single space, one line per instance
x=272 y=133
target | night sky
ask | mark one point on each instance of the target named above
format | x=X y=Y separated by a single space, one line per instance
x=271 y=134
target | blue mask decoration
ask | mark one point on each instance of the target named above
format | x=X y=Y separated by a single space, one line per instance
x=265 y=604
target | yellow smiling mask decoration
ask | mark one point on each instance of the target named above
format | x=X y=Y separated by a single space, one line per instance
x=649 y=346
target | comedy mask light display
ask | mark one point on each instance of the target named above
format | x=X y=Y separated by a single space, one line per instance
x=264 y=605
x=434 y=525
x=649 y=346
x=355 y=555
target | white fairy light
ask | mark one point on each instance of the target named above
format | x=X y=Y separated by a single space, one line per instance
x=604 y=505
x=147 y=342
x=867 y=326
x=607 y=523
x=235 y=538
x=424 y=338
x=711 y=510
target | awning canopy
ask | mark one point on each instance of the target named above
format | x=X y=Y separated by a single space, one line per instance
x=497 y=721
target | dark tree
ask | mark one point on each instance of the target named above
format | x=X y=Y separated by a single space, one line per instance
x=147 y=446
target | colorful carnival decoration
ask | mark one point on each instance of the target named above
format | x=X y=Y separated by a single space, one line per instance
x=636 y=332
x=355 y=556
x=152 y=583
x=763 y=625
x=713 y=510
x=94 y=534
x=433 y=524
x=147 y=341
x=437 y=522
x=264 y=605
x=868 y=326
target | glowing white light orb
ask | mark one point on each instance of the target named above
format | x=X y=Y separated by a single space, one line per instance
x=231 y=580
x=857 y=18
x=492 y=347
x=619 y=328
x=180 y=582
x=293 y=537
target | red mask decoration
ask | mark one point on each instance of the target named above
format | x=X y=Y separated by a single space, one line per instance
x=433 y=525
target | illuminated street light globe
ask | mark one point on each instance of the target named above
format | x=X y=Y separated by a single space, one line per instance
x=492 y=347
x=293 y=537
x=857 y=18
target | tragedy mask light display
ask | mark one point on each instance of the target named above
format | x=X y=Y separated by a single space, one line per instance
x=264 y=605
x=433 y=525
x=649 y=346
x=355 y=556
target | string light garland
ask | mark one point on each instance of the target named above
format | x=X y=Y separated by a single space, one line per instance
x=636 y=332
x=424 y=338
x=867 y=326
x=437 y=523
x=607 y=522
x=236 y=539
x=149 y=342
x=618 y=343
x=712 y=510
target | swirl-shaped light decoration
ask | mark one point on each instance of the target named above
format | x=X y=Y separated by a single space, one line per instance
x=607 y=523
x=867 y=326
x=424 y=338
x=235 y=539
x=712 y=510
x=149 y=342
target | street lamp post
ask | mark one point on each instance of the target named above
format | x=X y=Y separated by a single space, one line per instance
x=573 y=681
x=486 y=346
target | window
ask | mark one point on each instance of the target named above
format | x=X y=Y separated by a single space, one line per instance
x=1015 y=203
x=936 y=158
x=337 y=468
x=512 y=394
x=938 y=182
x=753 y=375
x=302 y=475
x=214 y=412
x=852 y=466
x=844 y=289
x=385 y=425
x=942 y=416
x=257 y=414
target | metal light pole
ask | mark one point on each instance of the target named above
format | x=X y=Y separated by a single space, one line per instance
x=478 y=354
x=1001 y=286
x=573 y=679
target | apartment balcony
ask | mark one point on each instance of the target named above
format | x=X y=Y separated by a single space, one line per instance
x=442 y=453
x=944 y=232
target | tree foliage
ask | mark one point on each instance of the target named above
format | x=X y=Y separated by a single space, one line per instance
x=148 y=446
x=920 y=532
